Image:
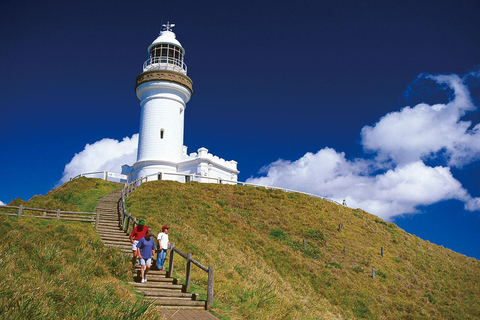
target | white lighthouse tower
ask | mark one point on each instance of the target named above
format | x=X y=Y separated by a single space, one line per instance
x=164 y=90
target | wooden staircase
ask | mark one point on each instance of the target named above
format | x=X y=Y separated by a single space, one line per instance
x=164 y=292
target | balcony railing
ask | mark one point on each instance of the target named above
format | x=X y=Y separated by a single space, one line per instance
x=165 y=63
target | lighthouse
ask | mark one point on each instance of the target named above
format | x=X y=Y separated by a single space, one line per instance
x=164 y=90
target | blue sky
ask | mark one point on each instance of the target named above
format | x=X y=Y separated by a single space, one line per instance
x=320 y=96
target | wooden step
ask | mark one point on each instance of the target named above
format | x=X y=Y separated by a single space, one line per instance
x=169 y=294
x=107 y=228
x=122 y=242
x=120 y=238
x=152 y=271
x=108 y=223
x=156 y=279
x=176 y=302
x=109 y=218
x=156 y=285
x=113 y=232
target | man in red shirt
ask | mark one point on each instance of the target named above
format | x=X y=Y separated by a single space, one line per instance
x=138 y=233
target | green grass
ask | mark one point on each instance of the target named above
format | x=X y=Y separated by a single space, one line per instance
x=53 y=269
x=254 y=239
x=61 y=270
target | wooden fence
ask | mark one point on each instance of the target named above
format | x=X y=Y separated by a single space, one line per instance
x=127 y=221
x=21 y=211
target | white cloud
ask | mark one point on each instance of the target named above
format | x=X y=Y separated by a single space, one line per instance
x=473 y=204
x=397 y=181
x=104 y=155
x=394 y=192
x=425 y=131
x=2 y=204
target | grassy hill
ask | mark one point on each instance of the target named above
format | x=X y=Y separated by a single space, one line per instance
x=61 y=270
x=254 y=239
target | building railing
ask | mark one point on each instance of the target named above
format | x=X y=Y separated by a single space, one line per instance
x=105 y=175
x=127 y=220
x=20 y=211
x=165 y=63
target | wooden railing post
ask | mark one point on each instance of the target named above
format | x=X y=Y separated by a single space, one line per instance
x=97 y=218
x=209 y=302
x=187 y=275
x=128 y=224
x=58 y=214
x=170 y=261
x=20 y=209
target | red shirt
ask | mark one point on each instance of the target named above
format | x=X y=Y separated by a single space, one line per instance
x=138 y=233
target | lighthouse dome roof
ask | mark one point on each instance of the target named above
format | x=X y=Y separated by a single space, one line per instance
x=166 y=36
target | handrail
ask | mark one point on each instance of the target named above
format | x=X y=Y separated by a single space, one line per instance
x=55 y=214
x=165 y=63
x=127 y=218
x=190 y=260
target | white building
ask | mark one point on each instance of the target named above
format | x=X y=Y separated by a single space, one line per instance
x=164 y=90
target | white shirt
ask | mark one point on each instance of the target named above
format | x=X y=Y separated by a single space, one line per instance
x=163 y=238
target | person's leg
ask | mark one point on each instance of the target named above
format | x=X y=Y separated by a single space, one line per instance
x=148 y=263
x=142 y=270
x=159 y=259
x=134 y=249
x=163 y=256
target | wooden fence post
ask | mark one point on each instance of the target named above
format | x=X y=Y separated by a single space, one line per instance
x=170 y=262
x=382 y=252
x=159 y=176
x=20 y=209
x=344 y=248
x=187 y=274
x=128 y=225
x=373 y=273
x=304 y=245
x=209 y=302
x=58 y=214
x=340 y=227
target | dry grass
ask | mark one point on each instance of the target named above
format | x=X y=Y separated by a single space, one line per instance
x=254 y=238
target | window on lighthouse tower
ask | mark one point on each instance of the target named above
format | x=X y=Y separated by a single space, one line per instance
x=161 y=133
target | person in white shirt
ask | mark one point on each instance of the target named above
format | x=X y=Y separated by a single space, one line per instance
x=163 y=245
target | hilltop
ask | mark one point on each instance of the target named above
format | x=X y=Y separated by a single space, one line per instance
x=254 y=238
